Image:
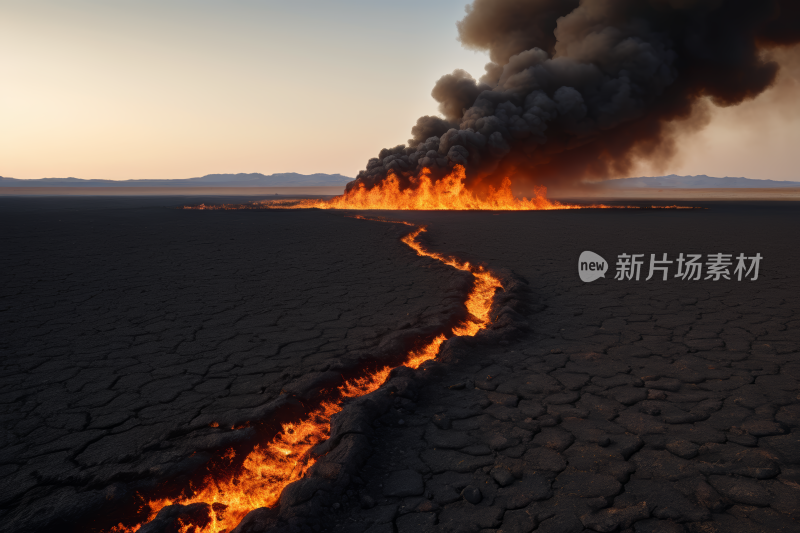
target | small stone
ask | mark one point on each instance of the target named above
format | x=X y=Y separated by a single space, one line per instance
x=336 y=506
x=401 y=422
x=472 y=494
x=682 y=448
x=502 y=476
x=367 y=502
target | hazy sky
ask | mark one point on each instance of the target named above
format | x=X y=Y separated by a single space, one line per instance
x=178 y=89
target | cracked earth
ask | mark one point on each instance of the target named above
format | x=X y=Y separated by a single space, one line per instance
x=661 y=406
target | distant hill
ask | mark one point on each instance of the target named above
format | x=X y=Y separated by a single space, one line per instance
x=289 y=179
x=694 y=182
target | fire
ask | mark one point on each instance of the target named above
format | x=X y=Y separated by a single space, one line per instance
x=449 y=193
x=268 y=469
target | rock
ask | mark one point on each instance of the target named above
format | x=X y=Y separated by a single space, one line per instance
x=682 y=448
x=472 y=494
x=403 y=483
x=502 y=476
x=741 y=490
x=301 y=491
x=258 y=520
x=367 y=501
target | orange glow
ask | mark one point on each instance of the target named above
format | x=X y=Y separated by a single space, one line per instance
x=268 y=469
x=448 y=193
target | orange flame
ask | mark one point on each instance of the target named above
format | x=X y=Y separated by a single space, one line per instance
x=268 y=469
x=448 y=193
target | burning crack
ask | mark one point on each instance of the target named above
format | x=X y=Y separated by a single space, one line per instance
x=250 y=489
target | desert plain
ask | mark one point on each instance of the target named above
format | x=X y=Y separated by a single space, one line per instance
x=138 y=339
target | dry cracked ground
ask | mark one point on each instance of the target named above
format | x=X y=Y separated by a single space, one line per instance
x=649 y=406
x=128 y=328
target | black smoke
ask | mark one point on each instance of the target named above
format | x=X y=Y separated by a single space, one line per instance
x=585 y=88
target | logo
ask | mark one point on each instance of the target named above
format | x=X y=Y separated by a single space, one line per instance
x=591 y=266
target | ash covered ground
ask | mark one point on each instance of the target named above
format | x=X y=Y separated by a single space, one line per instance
x=650 y=406
x=128 y=328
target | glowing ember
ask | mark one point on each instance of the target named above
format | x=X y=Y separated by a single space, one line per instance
x=268 y=469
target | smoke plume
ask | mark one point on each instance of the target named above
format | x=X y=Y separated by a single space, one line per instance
x=586 y=88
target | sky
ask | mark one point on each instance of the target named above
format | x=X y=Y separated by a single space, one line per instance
x=184 y=88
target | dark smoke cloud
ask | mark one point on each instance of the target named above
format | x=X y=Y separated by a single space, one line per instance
x=584 y=89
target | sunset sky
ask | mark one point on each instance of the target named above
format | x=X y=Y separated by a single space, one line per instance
x=178 y=89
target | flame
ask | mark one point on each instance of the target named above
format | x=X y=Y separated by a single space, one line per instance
x=268 y=469
x=448 y=193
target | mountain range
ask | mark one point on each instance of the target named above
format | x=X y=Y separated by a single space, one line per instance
x=292 y=179
x=694 y=182
x=289 y=179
